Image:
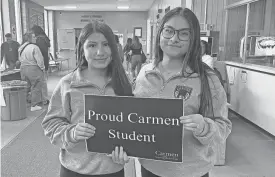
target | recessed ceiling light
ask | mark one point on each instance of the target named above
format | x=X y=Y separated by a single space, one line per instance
x=123 y=7
x=70 y=7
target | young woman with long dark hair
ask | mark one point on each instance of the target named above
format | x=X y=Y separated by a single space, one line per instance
x=99 y=71
x=178 y=72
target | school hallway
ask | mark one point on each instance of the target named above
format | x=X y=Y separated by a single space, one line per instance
x=26 y=152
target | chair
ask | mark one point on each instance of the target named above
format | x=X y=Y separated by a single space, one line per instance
x=53 y=63
x=57 y=62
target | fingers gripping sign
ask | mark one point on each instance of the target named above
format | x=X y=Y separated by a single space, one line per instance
x=83 y=131
x=119 y=156
x=194 y=122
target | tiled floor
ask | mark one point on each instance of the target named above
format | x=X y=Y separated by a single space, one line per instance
x=10 y=129
x=250 y=151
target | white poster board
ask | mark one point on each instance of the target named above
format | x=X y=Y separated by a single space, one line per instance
x=66 y=39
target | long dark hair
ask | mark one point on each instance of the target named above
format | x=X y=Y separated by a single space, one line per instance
x=38 y=31
x=203 y=42
x=128 y=45
x=120 y=81
x=135 y=42
x=193 y=56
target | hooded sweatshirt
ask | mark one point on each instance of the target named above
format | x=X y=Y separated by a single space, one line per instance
x=200 y=151
x=30 y=55
x=43 y=42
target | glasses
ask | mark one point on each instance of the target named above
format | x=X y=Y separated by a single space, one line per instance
x=169 y=32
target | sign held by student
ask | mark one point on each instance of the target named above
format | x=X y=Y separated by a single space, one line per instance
x=146 y=127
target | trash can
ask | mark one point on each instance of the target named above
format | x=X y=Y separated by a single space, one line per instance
x=15 y=97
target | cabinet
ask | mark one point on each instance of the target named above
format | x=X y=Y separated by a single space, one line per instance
x=253 y=95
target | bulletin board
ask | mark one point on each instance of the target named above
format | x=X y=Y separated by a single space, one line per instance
x=66 y=39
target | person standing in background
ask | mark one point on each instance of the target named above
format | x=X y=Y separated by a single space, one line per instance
x=119 y=47
x=32 y=70
x=43 y=42
x=206 y=58
x=9 y=50
x=126 y=51
x=136 y=49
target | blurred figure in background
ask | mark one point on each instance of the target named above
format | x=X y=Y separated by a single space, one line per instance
x=32 y=70
x=126 y=51
x=136 y=62
x=119 y=47
x=9 y=50
x=206 y=58
x=43 y=42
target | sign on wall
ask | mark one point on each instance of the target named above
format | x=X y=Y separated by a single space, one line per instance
x=66 y=39
x=145 y=127
x=89 y=18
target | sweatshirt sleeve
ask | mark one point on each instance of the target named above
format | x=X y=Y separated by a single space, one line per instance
x=2 y=52
x=219 y=127
x=56 y=124
x=142 y=87
x=37 y=55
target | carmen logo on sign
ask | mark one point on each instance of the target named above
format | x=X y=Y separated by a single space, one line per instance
x=145 y=127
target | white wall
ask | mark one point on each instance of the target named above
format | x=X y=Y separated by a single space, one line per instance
x=120 y=22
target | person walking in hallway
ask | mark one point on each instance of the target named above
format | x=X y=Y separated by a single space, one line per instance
x=136 y=61
x=126 y=51
x=119 y=48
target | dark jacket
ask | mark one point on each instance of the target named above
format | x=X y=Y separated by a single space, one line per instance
x=10 y=51
x=43 y=42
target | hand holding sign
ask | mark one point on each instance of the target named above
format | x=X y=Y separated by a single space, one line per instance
x=194 y=122
x=83 y=131
x=119 y=156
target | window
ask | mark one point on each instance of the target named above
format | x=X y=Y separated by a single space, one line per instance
x=260 y=41
x=235 y=32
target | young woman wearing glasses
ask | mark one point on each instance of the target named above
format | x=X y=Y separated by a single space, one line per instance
x=178 y=72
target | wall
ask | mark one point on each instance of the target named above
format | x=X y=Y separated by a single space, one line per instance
x=32 y=14
x=215 y=15
x=120 y=22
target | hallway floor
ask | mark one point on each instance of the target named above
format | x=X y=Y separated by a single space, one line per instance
x=27 y=152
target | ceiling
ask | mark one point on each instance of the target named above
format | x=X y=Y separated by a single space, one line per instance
x=95 y=5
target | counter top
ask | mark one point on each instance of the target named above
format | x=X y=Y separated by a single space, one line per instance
x=260 y=68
